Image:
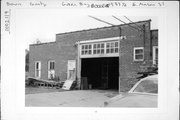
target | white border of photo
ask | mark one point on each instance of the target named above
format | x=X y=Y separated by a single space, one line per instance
x=13 y=67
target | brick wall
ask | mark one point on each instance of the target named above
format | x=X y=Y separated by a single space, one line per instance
x=43 y=53
x=58 y=51
x=154 y=37
x=100 y=33
x=128 y=67
x=64 y=49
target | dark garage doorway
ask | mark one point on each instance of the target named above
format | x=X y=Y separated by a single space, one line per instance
x=100 y=73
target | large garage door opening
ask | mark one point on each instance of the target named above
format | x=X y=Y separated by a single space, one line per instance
x=100 y=73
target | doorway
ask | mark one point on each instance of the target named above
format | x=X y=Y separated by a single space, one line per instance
x=100 y=73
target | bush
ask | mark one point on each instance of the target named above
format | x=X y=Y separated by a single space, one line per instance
x=30 y=83
x=56 y=78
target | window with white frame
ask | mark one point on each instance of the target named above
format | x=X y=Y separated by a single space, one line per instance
x=37 y=69
x=112 y=47
x=98 y=48
x=51 y=69
x=155 y=55
x=86 y=49
x=138 y=53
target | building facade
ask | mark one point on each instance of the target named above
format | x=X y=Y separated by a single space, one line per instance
x=101 y=58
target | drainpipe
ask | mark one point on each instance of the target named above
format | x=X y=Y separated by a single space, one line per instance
x=144 y=40
x=119 y=58
x=78 y=66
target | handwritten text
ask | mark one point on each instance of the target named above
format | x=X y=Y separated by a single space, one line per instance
x=38 y=4
x=7 y=15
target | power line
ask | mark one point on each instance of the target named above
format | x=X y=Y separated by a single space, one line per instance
x=125 y=23
x=133 y=22
x=101 y=20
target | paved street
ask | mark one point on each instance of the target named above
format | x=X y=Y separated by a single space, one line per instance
x=78 y=98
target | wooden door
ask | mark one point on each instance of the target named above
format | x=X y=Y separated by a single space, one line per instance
x=104 y=75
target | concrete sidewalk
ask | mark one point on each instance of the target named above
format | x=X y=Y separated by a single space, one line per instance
x=77 y=98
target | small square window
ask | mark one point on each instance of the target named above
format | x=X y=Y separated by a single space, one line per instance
x=102 y=51
x=89 y=51
x=94 y=45
x=116 y=50
x=116 y=44
x=107 y=45
x=89 y=46
x=94 y=52
x=98 y=45
x=112 y=50
x=86 y=52
x=98 y=51
x=102 y=45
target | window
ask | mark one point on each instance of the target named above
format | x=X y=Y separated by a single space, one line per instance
x=155 y=55
x=51 y=65
x=37 y=69
x=98 y=48
x=86 y=49
x=112 y=47
x=138 y=54
x=51 y=69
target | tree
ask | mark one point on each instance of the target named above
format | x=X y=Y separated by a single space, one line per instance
x=38 y=41
x=27 y=61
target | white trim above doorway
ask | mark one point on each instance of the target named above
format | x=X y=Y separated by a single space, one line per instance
x=100 y=40
x=99 y=49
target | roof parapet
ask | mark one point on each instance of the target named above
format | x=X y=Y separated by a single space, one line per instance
x=103 y=27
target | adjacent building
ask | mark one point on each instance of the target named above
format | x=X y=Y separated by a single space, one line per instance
x=101 y=58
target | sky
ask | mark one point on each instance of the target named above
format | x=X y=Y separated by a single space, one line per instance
x=44 y=24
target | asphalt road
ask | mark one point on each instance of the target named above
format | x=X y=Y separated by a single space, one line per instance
x=77 y=98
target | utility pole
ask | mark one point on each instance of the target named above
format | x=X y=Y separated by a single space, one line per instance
x=119 y=59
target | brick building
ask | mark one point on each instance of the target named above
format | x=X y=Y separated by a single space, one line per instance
x=103 y=58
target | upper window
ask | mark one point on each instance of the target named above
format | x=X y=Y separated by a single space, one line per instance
x=138 y=53
x=112 y=47
x=86 y=49
x=100 y=48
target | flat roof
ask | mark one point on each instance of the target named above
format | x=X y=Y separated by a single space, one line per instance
x=91 y=30
x=42 y=43
x=103 y=27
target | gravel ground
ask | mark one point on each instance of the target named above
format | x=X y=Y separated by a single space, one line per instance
x=77 y=98
x=35 y=90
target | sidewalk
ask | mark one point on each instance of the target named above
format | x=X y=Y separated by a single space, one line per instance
x=78 y=98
